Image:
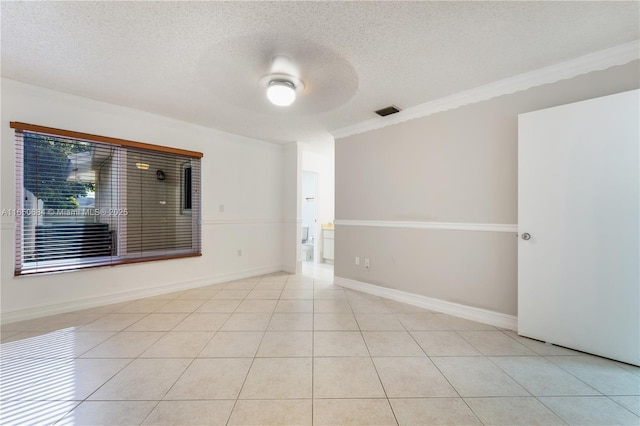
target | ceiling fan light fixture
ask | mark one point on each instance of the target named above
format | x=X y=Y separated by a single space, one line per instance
x=281 y=92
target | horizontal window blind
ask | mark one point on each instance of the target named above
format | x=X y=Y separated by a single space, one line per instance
x=84 y=201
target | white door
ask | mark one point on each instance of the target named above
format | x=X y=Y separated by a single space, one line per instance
x=578 y=200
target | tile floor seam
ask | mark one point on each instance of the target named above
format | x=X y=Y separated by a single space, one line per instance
x=547 y=358
x=375 y=368
x=253 y=359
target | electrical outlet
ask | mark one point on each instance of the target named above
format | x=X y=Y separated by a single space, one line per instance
x=357 y=260
x=366 y=262
x=239 y=252
x=221 y=208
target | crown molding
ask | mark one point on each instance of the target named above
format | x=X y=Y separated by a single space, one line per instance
x=618 y=55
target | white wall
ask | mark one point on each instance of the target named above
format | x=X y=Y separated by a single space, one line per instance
x=318 y=157
x=432 y=202
x=237 y=172
x=292 y=184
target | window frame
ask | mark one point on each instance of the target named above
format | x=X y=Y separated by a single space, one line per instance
x=49 y=266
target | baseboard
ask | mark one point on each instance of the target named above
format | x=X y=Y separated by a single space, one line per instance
x=484 y=316
x=9 y=316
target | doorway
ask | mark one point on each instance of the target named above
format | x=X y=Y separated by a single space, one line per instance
x=309 y=216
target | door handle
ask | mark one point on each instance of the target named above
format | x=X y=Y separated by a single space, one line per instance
x=526 y=236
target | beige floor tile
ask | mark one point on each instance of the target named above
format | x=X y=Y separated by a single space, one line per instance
x=274 y=278
x=331 y=306
x=339 y=343
x=31 y=344
x=19 y=375
x=256 y=306
x=335 y=321
x=444 y=343
x=346 y=378
x=416 y=321
x=142 y=306
x=264 y=294
x=378 y=322
x=302 y=279
x=240 y=285
x=294 y=306
x=66 y=322
x=157 y=322
x=179 y=344
x=524 y=411
x=477 y=377
x=269 y=285
x=352 y=412
x=286 y=344
x=328 y=294
x=75 y=380
x=190 y=413
x=369 y=307
x=631 y=403
x=112 y=322
x=180 y=306
x=142 y=379
x=539 y=347
x=202 y=322
x=5 y=335
x=291 y=321
x=19 y=413
x=299 y=285
x=604 y=375
x=126 y=344
x=123 y=413
x=631 y=368
x=231 y=294
x=278 y=378
x=272 y=412
x=391 y=343
x=52 y=345
x=461 y=324
x=219 y=378
x=239 y=344
x=246 y=322
x=304 y=294
x=590 y=410
x=82 y=341
x=198 y=294
x=541 y=377
x=495 y=343
x=219 y=306
x=433 y=411
x=412 y=377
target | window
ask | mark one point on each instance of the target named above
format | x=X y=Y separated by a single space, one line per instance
x=85 y=200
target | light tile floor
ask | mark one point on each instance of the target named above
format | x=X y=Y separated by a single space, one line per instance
x=292 y=349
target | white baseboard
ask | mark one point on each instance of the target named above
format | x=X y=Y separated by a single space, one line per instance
x=31 y=312
x=484 y=316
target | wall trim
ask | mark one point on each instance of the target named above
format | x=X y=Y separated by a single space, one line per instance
x=38 y=311
x=618 y=55
x=489 y=227
x=484 y=316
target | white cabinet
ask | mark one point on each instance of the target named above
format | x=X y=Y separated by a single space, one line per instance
x=327 y=244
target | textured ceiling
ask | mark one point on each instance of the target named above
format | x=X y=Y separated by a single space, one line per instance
x=201 y=62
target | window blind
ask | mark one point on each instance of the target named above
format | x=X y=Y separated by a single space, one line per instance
x=85 y=201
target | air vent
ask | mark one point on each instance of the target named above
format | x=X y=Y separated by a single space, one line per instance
x=387 y=111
